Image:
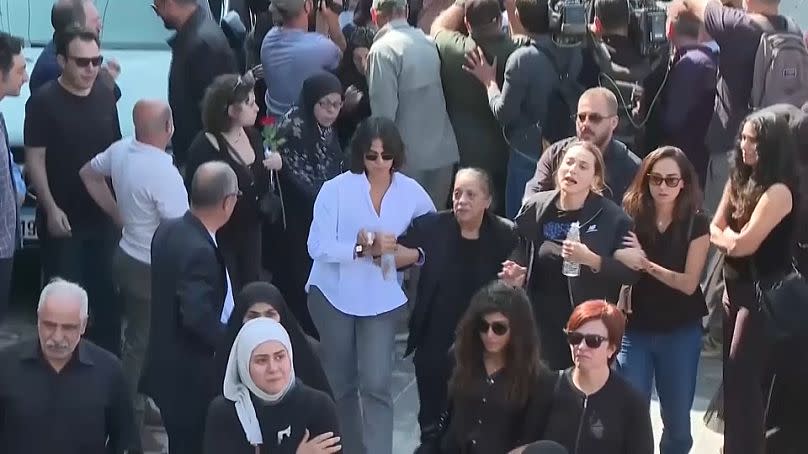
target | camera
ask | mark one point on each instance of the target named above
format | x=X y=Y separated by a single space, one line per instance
x=570 y=19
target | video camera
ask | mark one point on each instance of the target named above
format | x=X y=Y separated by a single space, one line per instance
x=570 y=19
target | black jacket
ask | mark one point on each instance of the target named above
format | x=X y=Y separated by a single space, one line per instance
x=603 y=227
x=435 y=234
x=613 y=420
x=621 y=166
x=283 y=424
x=200 y=52
x=189 y=286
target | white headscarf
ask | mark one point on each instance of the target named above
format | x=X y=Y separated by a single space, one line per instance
x=237 y=381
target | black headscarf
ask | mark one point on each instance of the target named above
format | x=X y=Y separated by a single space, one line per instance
x=311 y=153
x=307 y=366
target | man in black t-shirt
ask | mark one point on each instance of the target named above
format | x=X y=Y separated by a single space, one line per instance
x=67 y=122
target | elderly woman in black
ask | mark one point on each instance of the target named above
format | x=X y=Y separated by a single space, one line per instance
x=262 y=299
x=228 y=115
x=263 y=408
x=544 y=223
x=463 y=250
x=311 y=155
x=500 y=392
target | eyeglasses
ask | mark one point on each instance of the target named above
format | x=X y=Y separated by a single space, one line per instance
x=499 y=328
x=334 y=105
x=592 y=340
x=247 y=80
x=670 y=181
x=83 y=62
x=375 y=156
x=236 y=194
x=594 y=118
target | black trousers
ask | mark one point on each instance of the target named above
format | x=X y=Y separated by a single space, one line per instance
x=432 y=372
x=185 y=429
x=6 y=265
x=85 y=258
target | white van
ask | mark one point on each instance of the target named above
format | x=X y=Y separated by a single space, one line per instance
x=132 y=34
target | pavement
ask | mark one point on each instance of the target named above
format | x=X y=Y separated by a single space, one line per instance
x=405 y=397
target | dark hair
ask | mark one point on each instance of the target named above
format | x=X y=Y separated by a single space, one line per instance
x=225 y=91
x=10 y=46
x=775 y=163
x=214 y=186
x=613 y=14
x=376 y=128
x=483 y=13
x=68 y=13
x=347 y=71
x=63 y=38
x=522 y=358
x=534 y=15
x=362 y=16
x=639 y=204
x=609 y=314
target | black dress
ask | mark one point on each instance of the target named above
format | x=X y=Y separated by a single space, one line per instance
x=283 y=424
x=240 y=239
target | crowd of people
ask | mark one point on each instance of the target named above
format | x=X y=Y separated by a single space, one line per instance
x=238 y=269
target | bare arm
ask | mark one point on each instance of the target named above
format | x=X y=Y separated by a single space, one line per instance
x=688 y=281
x=334 y=31
x=514 y=23
x=772 y=207
x=406 y=256
x=719 y=223
x=451 y=19
x=98 y=189
x=35 y=165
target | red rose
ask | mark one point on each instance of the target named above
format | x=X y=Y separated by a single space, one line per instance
x=268 y=121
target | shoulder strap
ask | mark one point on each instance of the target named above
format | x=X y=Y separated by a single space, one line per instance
x=552 y=58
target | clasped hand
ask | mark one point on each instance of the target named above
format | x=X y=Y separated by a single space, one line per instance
x=377 y=242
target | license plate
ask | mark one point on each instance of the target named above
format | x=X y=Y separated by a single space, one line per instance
x=28 y=225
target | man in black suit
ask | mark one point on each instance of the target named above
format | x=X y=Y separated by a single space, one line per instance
x=191 y=303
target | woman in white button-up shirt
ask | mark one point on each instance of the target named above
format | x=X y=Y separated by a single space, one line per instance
x=355 y=295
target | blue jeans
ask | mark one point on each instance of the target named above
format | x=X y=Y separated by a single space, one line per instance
x=521 y=168
x=671 y=361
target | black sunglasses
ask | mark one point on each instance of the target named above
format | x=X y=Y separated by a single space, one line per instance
x=375 y=156
x=84 y=62
x=657 y=180
x=594 y=118
x=499 y=328
x=592 y=340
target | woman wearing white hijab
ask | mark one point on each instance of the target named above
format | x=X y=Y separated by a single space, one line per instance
x=264 y=409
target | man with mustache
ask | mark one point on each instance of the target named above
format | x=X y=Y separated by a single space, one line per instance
x=60 y=393
x=595 y=122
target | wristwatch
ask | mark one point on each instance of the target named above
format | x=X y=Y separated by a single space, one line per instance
x=359 y=250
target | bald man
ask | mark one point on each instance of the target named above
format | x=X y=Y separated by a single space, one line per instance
x=192 y=300
x=149 y=190
x=595 y=122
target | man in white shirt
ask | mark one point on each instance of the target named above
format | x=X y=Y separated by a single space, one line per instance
x=148 y=189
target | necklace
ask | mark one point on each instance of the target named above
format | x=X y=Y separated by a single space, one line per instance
x=238 y=135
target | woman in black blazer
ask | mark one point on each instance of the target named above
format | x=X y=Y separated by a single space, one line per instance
x=463 y=249
x=543 y=224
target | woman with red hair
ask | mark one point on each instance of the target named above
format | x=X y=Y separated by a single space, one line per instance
x=596 y=410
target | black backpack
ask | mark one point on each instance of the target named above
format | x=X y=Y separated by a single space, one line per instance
x=563 y=102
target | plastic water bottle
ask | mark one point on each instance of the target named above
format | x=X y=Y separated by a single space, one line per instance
x=572 y=269
x=389 y=267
